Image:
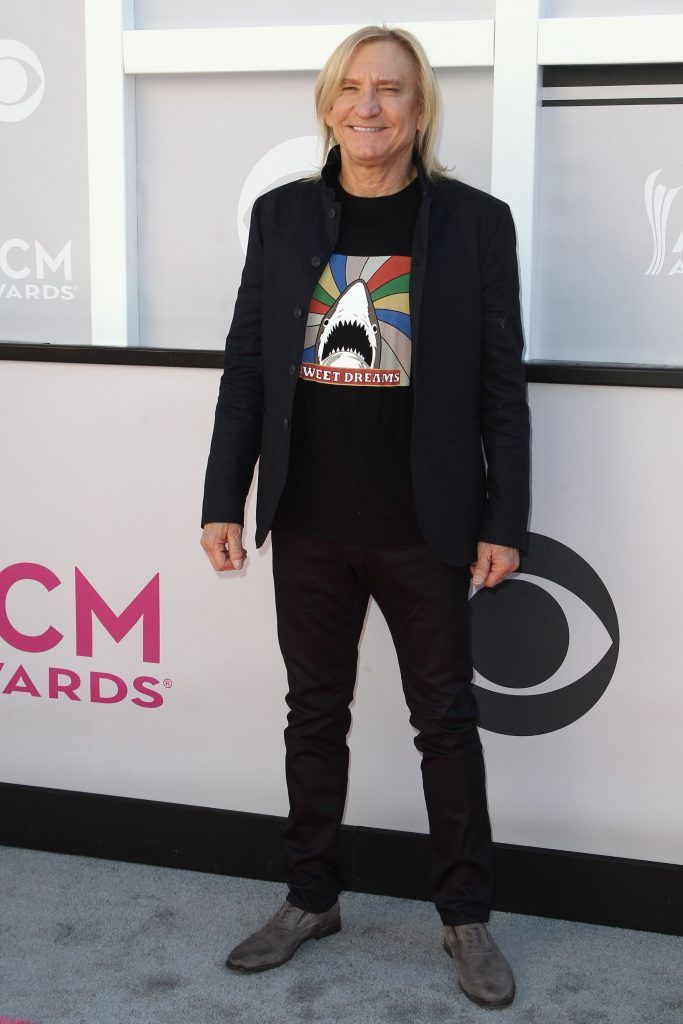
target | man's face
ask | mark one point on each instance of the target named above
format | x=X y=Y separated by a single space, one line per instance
x=376 y=112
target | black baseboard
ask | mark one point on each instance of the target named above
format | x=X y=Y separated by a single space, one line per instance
x=538 y=371
x=549 y=883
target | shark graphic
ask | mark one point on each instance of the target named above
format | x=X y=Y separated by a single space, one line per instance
x=349 y=333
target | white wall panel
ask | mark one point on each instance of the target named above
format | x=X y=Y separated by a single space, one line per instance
x=607 y=8
x=198 y=146
x=467 y=43
x=610 y=235
x=44 y=233
x=175 y=14
x=109 y=466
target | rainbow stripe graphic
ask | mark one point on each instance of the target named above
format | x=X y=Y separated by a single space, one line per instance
x=387 y=279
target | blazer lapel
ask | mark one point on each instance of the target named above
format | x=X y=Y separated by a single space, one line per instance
x=418 y=261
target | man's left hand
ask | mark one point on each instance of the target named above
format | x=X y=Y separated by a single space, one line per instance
x=494 y=564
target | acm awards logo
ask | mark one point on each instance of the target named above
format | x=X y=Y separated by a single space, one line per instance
x=22 y=87
x=17 y=266
x=556 y=642
x=659 y=199
x=33 y=637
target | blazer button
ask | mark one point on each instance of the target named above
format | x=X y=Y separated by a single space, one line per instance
x=285 y=424
x=316 y=261
x=292 y=368
x=298 y=312
x=332 y=213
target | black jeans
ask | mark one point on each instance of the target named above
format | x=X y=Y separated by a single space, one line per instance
x=321 y=597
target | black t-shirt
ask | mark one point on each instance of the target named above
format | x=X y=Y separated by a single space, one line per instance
x=349 y=468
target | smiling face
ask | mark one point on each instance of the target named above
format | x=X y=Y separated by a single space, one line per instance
x=377 y=111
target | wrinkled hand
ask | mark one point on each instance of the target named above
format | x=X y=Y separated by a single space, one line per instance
x=494 y=564
x=223 y=544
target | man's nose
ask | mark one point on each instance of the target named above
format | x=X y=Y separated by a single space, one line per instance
x=367 y=102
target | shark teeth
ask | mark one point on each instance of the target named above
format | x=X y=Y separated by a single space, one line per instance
x=351 y=337
x=348 y=335
x=350 y=321
x=335 y=351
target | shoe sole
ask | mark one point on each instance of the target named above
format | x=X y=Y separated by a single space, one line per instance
x=475 y=999
x=329 y=929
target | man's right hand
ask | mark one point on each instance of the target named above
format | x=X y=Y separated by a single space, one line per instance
x=223 y=544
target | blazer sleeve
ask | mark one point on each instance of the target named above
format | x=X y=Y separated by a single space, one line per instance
x=236 y=438
x=504 y=409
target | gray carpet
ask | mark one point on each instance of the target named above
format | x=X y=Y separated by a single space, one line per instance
x=87 y=941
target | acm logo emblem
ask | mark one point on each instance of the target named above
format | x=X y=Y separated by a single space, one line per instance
x=659 y=199
x=537 y=619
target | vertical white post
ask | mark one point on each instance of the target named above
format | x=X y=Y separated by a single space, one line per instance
x=516 y=133
x=111 y=174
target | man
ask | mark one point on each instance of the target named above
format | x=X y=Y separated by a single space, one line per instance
x=376 y=346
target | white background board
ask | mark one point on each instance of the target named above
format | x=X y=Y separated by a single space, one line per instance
x=107 y=471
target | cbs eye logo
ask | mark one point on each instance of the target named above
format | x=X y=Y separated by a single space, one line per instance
x=15 y=105
x=285 y=162
x=544 y=643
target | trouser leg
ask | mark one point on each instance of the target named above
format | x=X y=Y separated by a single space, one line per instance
x=320 y=606
x=425 y=603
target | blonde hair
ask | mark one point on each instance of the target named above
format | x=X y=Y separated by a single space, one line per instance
x=330 y=77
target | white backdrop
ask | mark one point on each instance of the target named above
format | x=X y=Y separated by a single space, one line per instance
x=192 y=147
x=103 y=465
x=106 y=467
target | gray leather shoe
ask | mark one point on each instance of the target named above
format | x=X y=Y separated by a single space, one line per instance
x=281 y=936
x=483 y=972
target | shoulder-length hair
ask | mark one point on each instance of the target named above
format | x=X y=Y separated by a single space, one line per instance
x=331 y=75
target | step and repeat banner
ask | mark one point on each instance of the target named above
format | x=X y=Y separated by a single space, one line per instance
x=128 y=666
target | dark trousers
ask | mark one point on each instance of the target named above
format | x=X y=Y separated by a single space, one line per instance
x=321 y=597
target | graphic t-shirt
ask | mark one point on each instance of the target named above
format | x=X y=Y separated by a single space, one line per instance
x=359 y=323
x=349 y=469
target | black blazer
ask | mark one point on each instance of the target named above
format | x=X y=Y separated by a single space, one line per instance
x=467 y=369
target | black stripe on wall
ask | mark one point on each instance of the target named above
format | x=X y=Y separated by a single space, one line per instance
x=568 y=75
x=539 y=371
x=613 y=101
x=549 y=883
x=111 y=355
